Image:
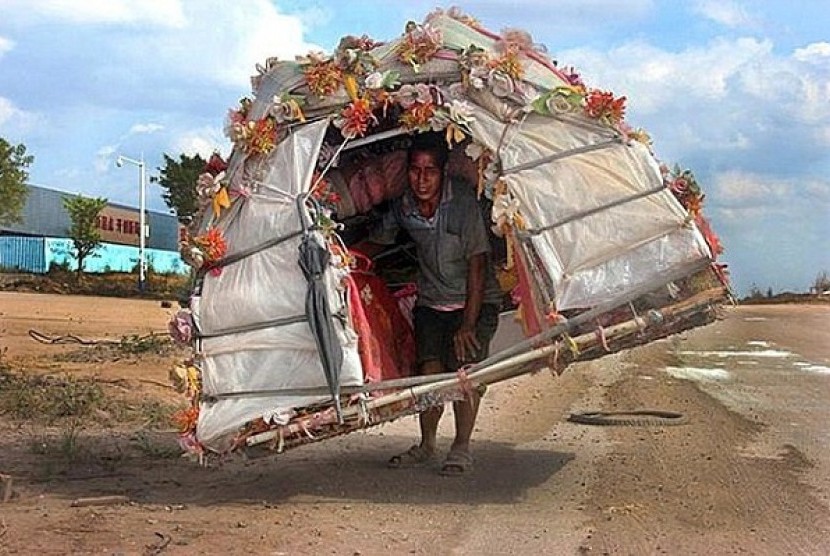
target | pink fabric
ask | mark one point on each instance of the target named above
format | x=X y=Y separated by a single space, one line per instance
x=406 y=297
x=379 y=179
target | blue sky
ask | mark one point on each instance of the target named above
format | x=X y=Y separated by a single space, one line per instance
x=739 y=91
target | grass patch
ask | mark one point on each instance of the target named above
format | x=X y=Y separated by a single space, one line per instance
x=76 y=402
x=47 y=399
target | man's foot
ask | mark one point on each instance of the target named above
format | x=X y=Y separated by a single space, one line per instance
x=457 y=463
x=415 y=456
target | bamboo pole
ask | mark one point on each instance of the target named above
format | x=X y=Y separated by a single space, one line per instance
x=518 y=364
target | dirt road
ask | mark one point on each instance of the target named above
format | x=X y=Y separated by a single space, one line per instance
x=749 y=473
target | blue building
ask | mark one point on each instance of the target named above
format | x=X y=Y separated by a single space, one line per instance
x=41 y=239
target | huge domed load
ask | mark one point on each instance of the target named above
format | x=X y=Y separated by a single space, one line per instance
x=602 y=247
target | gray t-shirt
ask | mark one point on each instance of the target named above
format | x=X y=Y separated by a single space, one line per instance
x=444 y=244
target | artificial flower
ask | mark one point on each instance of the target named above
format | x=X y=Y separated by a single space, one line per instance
x=509 y=64
x=180 y=327
x=409 y=95
x=352 y=55
x=185 y=420
x=513 y=39
x=323 y=192
x=262 y=136
x=388 y=79
x=419 y=44
x=191 y=255
x=374 y=80
x=287 y=108
x=418 y=116
x=235 y=124
x=323 y=76
x=604 y=107
x=573 y=78
x=355 y=119
x=501 y=83
x=212 y=246
x=207 y=185
x=215 y=164
x=712 y=239
x=506 y=214
x=220 y=201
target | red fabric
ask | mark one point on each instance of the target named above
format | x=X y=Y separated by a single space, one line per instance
x=531 y=321
x=386 y=342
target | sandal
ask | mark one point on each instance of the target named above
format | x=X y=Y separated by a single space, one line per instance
x=415 y=456
x=457 y=464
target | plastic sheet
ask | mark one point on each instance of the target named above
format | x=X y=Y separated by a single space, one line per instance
x=593 y=257
x=265 y=286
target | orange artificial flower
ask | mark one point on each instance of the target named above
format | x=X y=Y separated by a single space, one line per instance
x=603 y=106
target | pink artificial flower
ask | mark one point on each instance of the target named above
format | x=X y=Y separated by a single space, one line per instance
x=181 y=327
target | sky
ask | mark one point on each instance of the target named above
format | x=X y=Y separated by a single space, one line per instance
x=736 y=90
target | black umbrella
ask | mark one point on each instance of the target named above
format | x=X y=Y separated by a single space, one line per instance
x=314 y=258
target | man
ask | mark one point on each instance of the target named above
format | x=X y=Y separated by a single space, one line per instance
x=457 y=309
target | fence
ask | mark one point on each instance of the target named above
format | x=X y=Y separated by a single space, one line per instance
x=37 y=254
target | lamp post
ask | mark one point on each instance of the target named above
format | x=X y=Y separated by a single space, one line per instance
x=142 y=225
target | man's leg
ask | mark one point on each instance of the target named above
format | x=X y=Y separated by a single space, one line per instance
x=430 y=418
x=459 y=459
x=465 y=419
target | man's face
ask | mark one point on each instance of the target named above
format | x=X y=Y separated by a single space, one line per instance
x=425 y=176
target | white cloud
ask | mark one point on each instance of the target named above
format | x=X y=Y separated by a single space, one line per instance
x=12 y=117
x=166 y=13
x=138 y=129
x=746 y=188
x=221 y=44
x=203 y=141
x=5 y=45
x=726 y=13
x=104 y=158
x=658 y=79
x=733 y=98
x=816 y=52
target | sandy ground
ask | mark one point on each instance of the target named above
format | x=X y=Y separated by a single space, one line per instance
x=748 y=474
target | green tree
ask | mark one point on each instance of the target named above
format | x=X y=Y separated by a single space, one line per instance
x=178 y=179
x=13 y=176
x=83 y=213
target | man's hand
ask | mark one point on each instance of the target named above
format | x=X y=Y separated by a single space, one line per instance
x=466 y=343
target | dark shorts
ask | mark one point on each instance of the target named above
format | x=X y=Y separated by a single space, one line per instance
x=435 y=330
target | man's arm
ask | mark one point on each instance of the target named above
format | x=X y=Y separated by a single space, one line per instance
x=465 y=341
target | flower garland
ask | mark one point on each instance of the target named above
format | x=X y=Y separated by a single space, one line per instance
x=252 y=136
x=686 y=189
x=322 y=74
x=684 y=186
x=419 y=44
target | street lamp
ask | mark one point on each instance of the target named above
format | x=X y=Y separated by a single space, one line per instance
x=142 y=225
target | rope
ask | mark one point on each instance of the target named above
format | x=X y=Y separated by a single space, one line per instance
x=72 y=339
